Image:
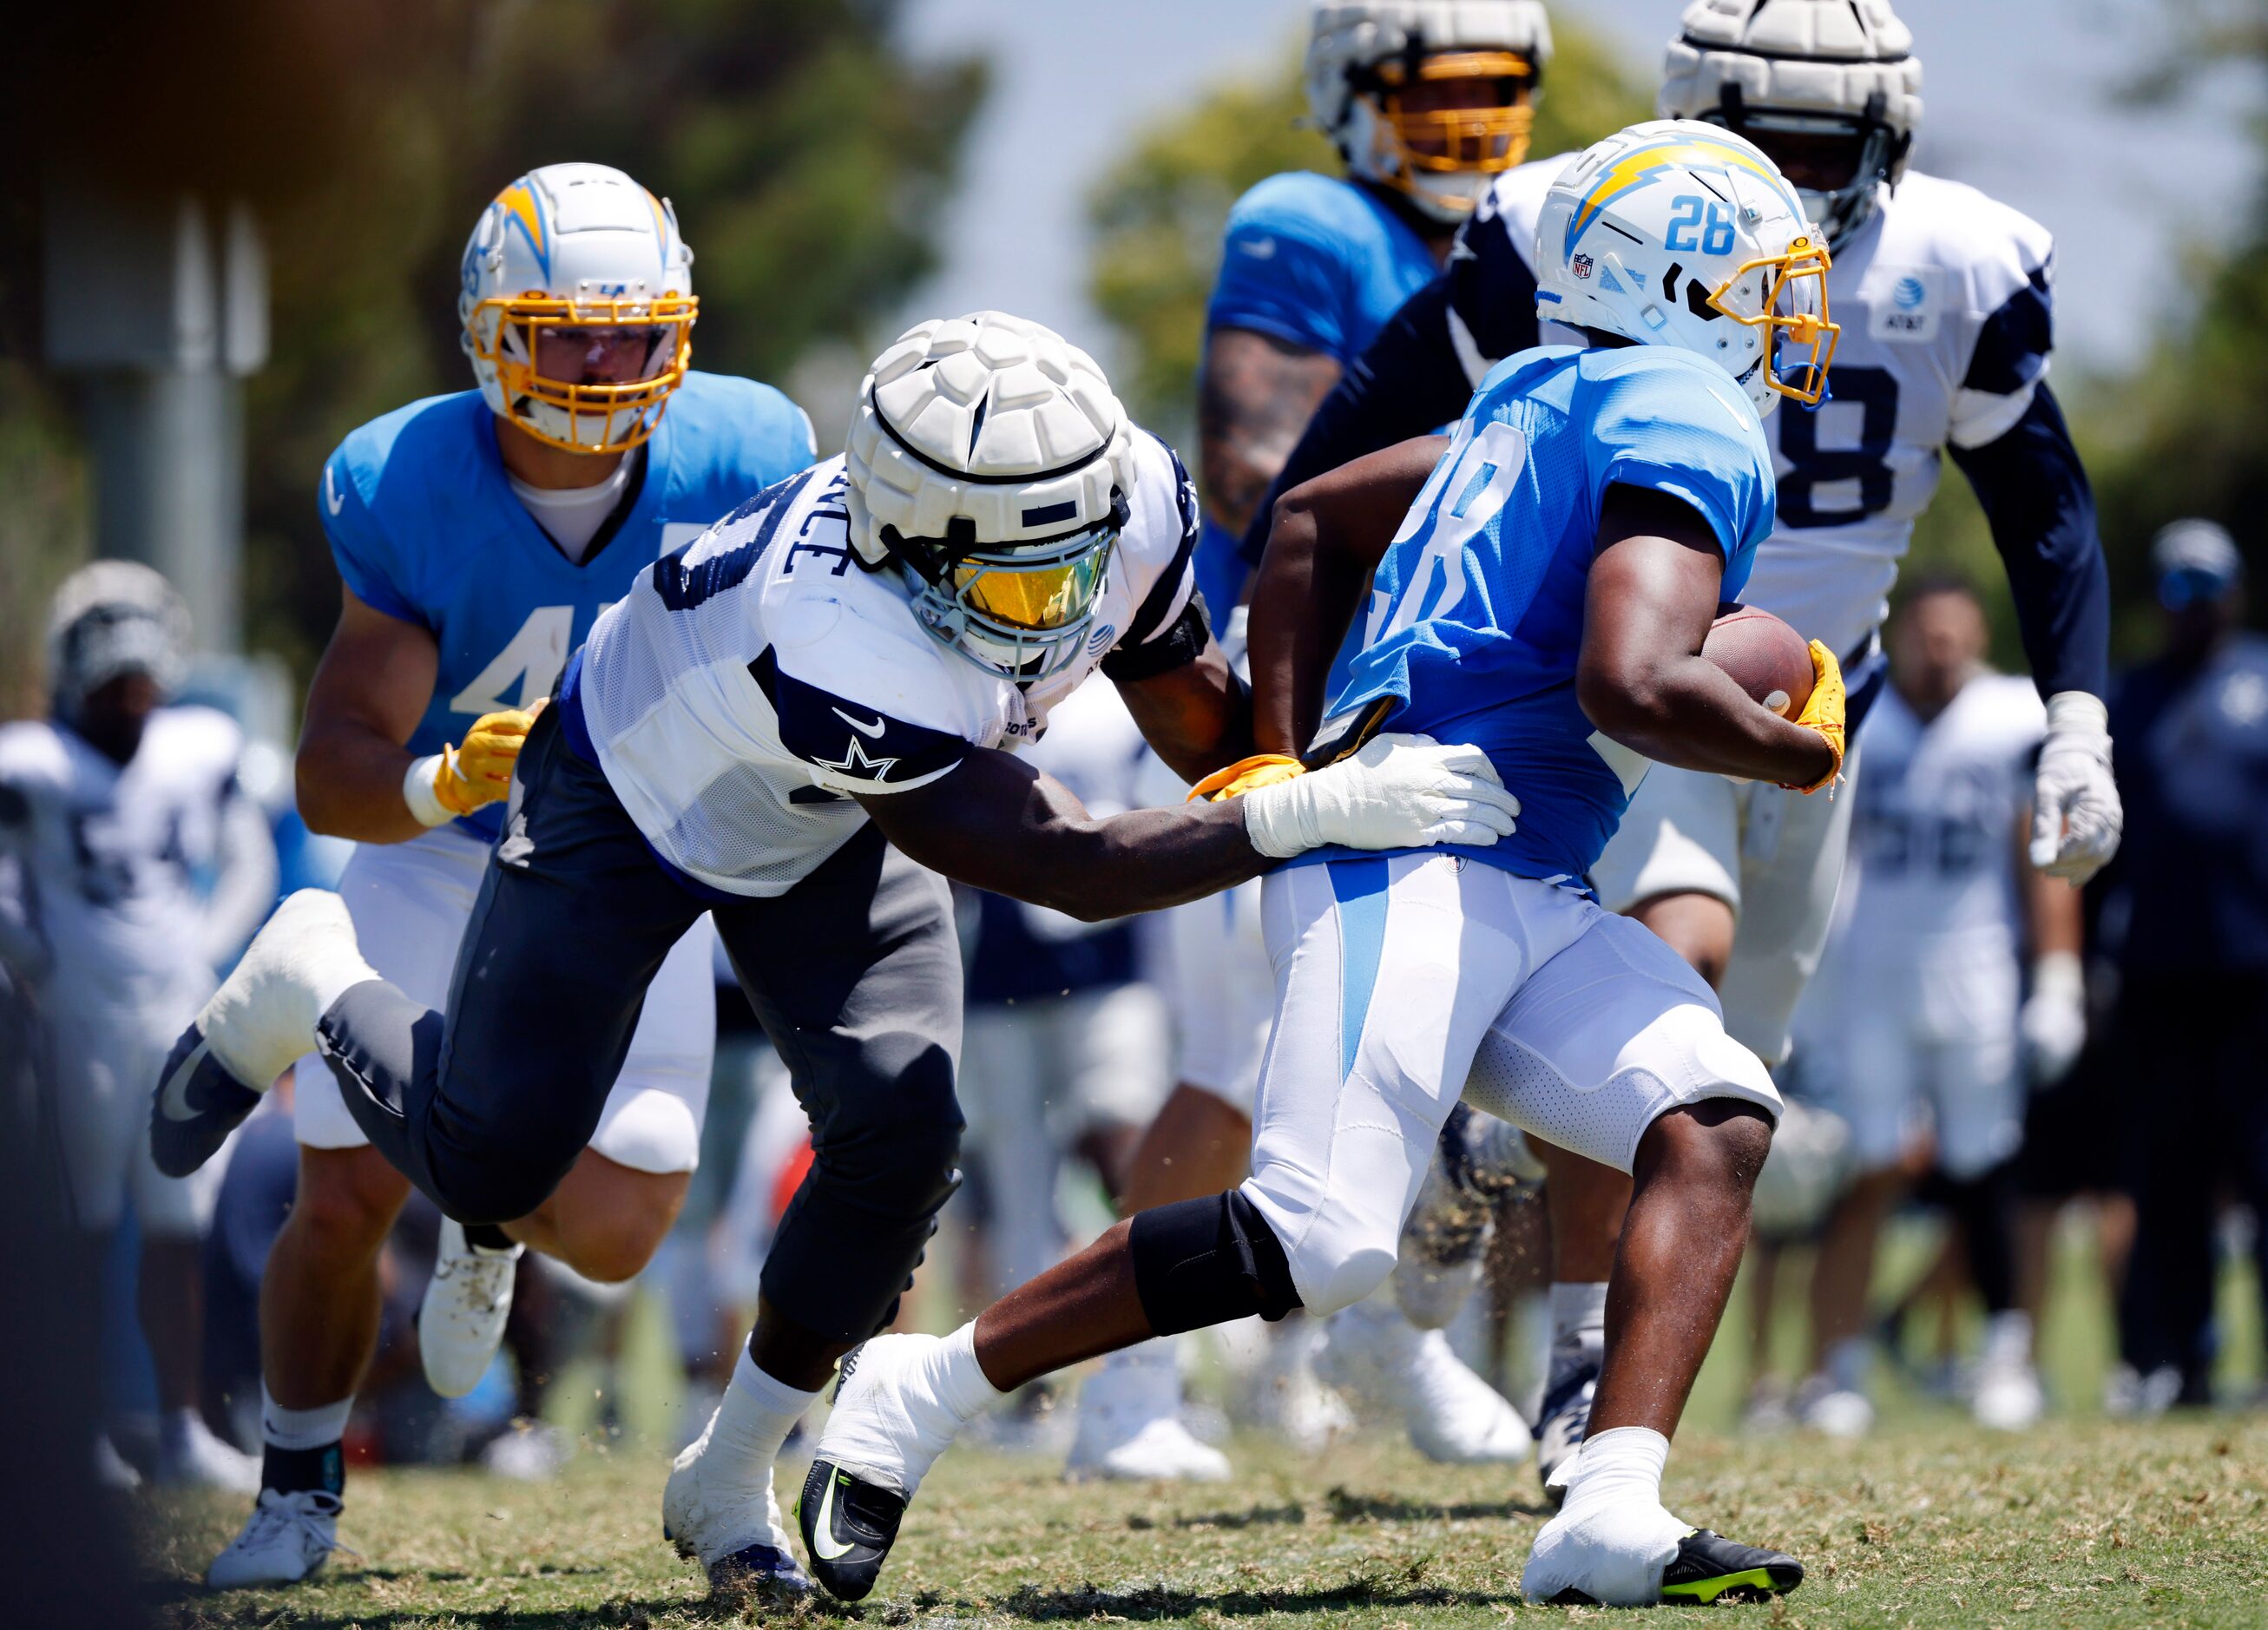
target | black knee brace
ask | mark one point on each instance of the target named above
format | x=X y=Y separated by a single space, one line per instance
x=1207 y=1261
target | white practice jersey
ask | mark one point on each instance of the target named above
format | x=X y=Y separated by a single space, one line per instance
x=108 y=856
x=1944 y=301
x=756 y=679
x=1935 y=829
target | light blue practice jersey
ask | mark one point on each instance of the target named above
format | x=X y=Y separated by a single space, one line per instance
x=425 y=526
x=1476 y=618
x=1318 y=262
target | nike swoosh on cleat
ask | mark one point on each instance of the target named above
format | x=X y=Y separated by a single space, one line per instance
x=824 y=1546
x=858 y=725
x=173 y=1097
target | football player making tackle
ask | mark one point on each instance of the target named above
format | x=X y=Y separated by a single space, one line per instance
x=1427 y=101
x=1944 y=301
x=1554 y=574
x=788 y=721
x=477 y=535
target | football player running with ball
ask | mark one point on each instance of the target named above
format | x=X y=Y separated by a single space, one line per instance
x=788 y=722
x=1427 y=101
x=477 y=535
x=1554 y=571
x=1944 y=297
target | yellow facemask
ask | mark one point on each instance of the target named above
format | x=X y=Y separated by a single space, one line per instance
x=1786 y=295
x=1487 y=139
x=510 y=334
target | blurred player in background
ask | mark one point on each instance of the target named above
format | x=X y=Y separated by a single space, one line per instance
x=1960 y=976
x=477 y=536
x=1944 y=297
x=1426 y=100
x=139 y=867
x=2186 y=915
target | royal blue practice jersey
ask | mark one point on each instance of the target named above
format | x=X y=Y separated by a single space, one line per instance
x=425 y=526
x=1318 y=262
x=1476 y=617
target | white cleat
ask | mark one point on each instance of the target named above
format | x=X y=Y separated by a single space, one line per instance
x=529 y=1451
x=287 y=1538
x=1840 y=1413
x=1294 y=1403
x=460 y=1322
x=1613 y=1555
x=1110 y=1447
x=112 y=1469
x=190 y=1457
x=1130 y=1425
x=1452 y=1416
x=2007 y=1397
x=728 y=1519
x=264 y=1017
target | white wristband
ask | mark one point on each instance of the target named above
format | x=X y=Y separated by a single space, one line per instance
x=2060 y=974
x=1279 y=819
x=425 y=805
x=2078 y=713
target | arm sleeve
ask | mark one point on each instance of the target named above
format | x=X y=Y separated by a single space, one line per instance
x=1163 y=615
x=1670 y=433
x=367 y=562
x=1280 y=285
x=2036 y=498
x=245 y=877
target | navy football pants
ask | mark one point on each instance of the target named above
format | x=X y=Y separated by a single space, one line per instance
x=855 y=973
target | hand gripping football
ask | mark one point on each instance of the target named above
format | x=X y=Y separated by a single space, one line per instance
x=1764 y=656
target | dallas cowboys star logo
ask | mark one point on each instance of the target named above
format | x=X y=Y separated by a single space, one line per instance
x=854 y=761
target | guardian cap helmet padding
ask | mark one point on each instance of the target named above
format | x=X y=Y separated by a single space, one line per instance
x=990 y=461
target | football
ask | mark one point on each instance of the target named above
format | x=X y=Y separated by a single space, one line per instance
x=1765 y=657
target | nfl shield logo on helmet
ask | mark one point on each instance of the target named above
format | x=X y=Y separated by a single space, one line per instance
x=1581 y=267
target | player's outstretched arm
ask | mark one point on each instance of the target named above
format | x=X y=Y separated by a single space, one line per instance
x=1641 y=679
x=1194 y=715
x=996 y=823
x=1327 y=539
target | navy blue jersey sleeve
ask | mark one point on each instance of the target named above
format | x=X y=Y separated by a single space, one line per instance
x=1408 y=382
x=367 y=561
x=852 y=747
x=1492 y=289
x=2035 y=496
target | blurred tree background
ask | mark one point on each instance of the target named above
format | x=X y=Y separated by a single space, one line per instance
x=807 y=161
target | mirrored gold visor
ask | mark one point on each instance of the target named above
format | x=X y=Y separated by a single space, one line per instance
x=1051 y=587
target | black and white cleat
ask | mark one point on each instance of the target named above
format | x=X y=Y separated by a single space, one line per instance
x=849 y=1525
x=197 y=1105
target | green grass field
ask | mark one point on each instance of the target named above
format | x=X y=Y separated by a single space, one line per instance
x=1929 y=1525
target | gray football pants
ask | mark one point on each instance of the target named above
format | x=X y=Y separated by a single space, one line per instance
x=855 y=974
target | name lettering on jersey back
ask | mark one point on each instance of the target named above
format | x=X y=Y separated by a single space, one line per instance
x=830 y=506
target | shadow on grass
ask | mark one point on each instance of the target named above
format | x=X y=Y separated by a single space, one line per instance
x=1157 y=1602
x=1348 y=1506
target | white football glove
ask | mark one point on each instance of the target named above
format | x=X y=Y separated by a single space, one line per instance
x=1400 y=792
x=2053 y=1024
x=2076 y=817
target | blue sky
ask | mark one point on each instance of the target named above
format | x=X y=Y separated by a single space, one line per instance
x=2018 y=96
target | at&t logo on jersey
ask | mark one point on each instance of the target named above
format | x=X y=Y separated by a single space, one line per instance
x=1907 y=305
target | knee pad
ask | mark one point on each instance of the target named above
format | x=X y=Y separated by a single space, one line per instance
x=1207 y=1261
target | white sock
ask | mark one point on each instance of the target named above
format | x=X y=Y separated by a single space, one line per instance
x=1623 y=1466
x=753 y=1421
x=957 y=1382
x=1578 y=1316
x=303 y=1429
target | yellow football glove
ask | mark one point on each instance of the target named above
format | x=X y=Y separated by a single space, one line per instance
x=1823 y=713
x=480 y=771
x=1260 y=769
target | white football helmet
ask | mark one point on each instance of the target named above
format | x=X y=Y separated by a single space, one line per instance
x=1836 y=79
x=1681 y=234
x=1364 y=59
x=111 y=617
x=991 y=463
x=577 y=306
